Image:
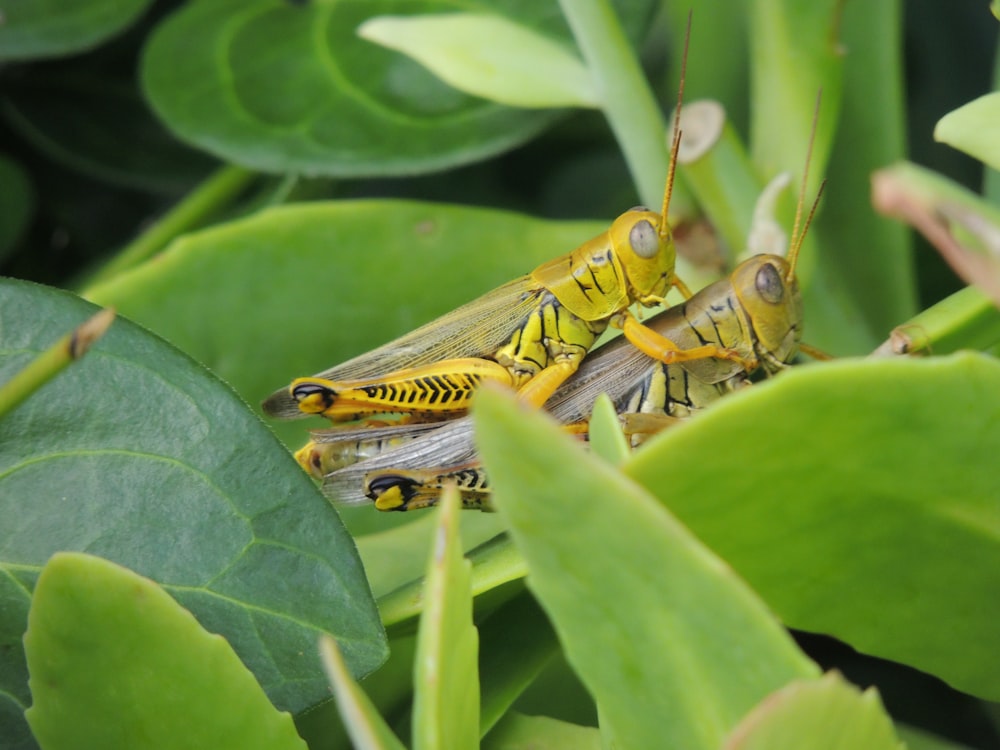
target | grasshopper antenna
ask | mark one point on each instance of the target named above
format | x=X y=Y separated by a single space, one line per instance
x=796 y=241
x=676 y=143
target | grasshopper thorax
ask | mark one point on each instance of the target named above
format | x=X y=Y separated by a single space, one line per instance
x=768 y=292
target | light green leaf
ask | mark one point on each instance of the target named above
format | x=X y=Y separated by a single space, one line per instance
x=398 y=556
x=495 y=564
x=115 y=662
x=367 y=728
x=519 y=732
x=33 y=29
x=489 y=56
x=141 y=456
x=605 y=434
x=646 y=615
x=974 y=128
x=896 y=549
x=446 y=673
x=823 y=714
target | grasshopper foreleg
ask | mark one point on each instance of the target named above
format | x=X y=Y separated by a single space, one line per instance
x=659 y=347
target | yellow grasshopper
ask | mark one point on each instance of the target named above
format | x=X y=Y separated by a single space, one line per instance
x=531 y=333
x=755 y=312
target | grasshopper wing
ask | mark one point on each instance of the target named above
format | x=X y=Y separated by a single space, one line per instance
x=448 y=444
x=476 y=329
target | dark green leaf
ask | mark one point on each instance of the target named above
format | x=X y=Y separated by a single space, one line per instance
x=139 y=455
x=48 y=28
x=17 y=203
x=291 y=87
x=115 y=662
x=99 y=125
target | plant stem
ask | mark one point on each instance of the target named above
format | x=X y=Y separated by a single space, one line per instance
x=53 y=360
x=627 y=100
x=967 y=319
x=216 y=191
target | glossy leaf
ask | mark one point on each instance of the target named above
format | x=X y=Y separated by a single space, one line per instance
x=895 y=552
x=653 y=635
x=115 y=662
x=327 y=101
x=446 y=675
x=824 y=714
x=974 y=129
x=139 y=455
x=488 y=56
x=34 y=29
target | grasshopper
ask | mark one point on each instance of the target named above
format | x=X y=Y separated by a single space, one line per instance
x=755 y=312
x=531 y=334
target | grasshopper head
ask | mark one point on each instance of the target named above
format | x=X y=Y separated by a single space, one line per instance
x=312 y=395
x=768 y=291
x=642 y=242
x=310 y=458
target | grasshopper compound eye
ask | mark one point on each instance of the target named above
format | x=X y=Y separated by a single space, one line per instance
x=769 y=284
x=644 y=240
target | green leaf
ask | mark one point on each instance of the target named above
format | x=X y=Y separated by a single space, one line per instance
x=115 y=662
x=896 y=550
x=847 y=312
x=446 y=675
x=871 y=128
x=516 y=643
x=917 y=739
x=326 y=101
x=33 y=29
x=605 y=434
x=95 y=122
x=139 y=455
x=519 y=732
x=17 y=204
x=652 y=635
x=494 y=564
x=974 y=128
x=489 y=56
x=398 y=556
x=823 y=714
x=279 y=294
x=367 y=728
